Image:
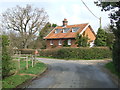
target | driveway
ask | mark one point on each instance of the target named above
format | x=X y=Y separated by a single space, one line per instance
x=73 y=74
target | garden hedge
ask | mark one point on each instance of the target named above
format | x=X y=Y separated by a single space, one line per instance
x=25 y=51
x=77 y=53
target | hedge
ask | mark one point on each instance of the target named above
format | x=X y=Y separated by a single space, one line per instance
x=24 y=51
x=77 y=53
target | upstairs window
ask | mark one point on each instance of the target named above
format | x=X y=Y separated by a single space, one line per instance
x=75 y=29
x=69 y=41
x=51 y=42
x=65 y=30
x=60 y=42
x=57 y=30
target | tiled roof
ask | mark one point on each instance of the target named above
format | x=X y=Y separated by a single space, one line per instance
x=69 y=34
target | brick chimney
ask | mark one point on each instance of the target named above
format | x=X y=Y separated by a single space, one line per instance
x=65 y=22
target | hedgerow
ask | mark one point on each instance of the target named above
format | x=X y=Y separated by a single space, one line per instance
x=77 y=53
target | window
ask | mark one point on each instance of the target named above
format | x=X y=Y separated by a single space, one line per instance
x=60 y=42
x=57 y=30
x=69 y=41
x=65 y=30
x=74 y=29
x=51 y=42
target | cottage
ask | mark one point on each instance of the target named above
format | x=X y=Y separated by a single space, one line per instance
x=67 y=32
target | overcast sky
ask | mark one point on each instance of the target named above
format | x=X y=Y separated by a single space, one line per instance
x=73 y=10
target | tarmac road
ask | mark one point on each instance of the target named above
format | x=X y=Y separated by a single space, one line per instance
x=73 y=74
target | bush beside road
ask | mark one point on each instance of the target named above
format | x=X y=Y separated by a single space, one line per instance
x=77 y=53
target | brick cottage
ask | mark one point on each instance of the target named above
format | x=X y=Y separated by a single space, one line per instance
x=67 y=32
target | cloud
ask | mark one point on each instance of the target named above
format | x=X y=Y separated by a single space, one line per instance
x=73 y=10
x=76 y=9
x=64 y=11
x=77 y=13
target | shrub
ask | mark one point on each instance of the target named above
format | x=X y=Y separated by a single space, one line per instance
x=77 y=53
x=48 y=53
x=82 y=40
x=6 y=58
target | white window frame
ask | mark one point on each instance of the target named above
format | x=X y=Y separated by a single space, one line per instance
x=64 y=31
x=60 y=42
x=74 y=30
x=51 y=42
x=69 y=42
x=55 y=31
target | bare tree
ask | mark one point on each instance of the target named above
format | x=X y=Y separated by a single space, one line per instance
x=26 y=21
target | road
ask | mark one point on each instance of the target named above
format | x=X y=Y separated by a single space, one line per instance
x=73 y=74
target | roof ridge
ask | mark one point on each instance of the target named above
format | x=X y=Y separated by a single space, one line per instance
x=78 y=24
x=74 y=24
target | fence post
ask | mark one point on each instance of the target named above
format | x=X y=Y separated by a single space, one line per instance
x=26 y=62
x=19 y=55
x=35 y=53
x=32 y=60
x=19 y=64
x=35 y=59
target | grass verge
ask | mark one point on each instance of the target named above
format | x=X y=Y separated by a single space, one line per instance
x=15 y=80
x=110 y=66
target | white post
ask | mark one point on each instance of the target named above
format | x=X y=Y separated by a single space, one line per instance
x=19 y=64
x=32 y=60
x=26 y=62
x=35 y=59
x=18 y=60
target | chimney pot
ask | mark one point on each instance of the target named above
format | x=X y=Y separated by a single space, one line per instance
x=65 y=22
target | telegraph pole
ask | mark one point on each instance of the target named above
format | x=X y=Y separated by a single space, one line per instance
x=92 y=13
x=100 y=22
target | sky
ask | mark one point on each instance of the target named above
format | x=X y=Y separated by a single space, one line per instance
x=73 y=10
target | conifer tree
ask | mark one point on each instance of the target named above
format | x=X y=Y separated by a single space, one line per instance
x=101 y=38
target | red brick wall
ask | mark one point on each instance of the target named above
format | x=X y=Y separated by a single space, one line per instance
x=90 y=34
x=56 y=45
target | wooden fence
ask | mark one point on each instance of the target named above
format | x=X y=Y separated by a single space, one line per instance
x=25 y=57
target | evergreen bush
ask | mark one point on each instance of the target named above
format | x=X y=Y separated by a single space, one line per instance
x=101 y=38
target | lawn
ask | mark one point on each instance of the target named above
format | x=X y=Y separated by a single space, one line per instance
x=110 y=66
x=15 y=80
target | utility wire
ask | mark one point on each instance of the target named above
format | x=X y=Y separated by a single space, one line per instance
x=93 y=13
x=89 y=10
